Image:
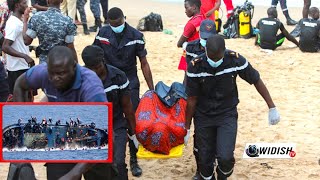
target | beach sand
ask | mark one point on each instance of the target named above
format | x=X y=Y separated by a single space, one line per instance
x=291 y=76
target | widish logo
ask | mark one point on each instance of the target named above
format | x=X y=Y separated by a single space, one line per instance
x=269 y=150
x=252 y=151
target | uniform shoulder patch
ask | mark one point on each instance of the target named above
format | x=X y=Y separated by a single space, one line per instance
x=234 y=54
x=196 y=60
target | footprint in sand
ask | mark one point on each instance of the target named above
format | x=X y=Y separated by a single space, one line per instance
x=254 y=169
x=176 y=171
x=278 y=136
x=313 y=176
x=241 y=176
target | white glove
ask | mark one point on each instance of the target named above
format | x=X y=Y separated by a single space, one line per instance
x=186 y=137
x=184 y=45
x=135 y=140
x=274 y=116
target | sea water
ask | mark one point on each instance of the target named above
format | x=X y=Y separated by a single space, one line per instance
x=86 y=113
x=56 y=154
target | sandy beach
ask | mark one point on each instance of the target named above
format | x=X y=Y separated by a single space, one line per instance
x=291 y=76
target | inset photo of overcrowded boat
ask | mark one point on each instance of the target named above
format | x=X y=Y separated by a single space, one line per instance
x=55 y=132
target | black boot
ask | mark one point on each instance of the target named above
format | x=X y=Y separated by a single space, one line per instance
x=85 y=29
x=97 y=24
x=134 y=166
x=291 y=22
x=196 y=176
x=196 y=155
x=221 y=178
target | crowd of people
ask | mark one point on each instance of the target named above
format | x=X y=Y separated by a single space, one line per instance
x=110 y=74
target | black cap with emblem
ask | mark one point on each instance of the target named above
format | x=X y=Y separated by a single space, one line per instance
x=207 y=29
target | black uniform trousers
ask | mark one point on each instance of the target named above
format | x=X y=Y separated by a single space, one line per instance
x=119 y=155
x=216 y=138
x=134 y=93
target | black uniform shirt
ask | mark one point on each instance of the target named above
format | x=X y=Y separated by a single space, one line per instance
x=310 y=35
x=122 y=55
x=216 y=88
x=193 y=50
x=116 y=86
x=268 y=29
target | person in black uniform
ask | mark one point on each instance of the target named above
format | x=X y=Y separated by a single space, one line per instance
x=117 y=90
x=212 y=102
x=194 y=49
x=267 y=37
x=310 y=32
x=122 y=44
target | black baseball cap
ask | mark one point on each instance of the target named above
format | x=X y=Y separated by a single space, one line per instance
x=207 y=29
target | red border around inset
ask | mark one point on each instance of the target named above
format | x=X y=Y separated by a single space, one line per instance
x=110 y=131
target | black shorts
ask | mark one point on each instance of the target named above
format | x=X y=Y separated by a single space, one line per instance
x=4 y=87
x=13 y=76
x=99 y=171
x=279 y=42
x=56 y=171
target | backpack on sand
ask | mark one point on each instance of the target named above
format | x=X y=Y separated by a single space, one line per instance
x=152 y=22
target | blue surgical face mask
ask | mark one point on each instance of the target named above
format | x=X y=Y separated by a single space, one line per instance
x=203 y=42
x=118 y=29
x=212 y=63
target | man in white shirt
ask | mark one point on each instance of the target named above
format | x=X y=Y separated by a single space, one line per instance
x=18 y=59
